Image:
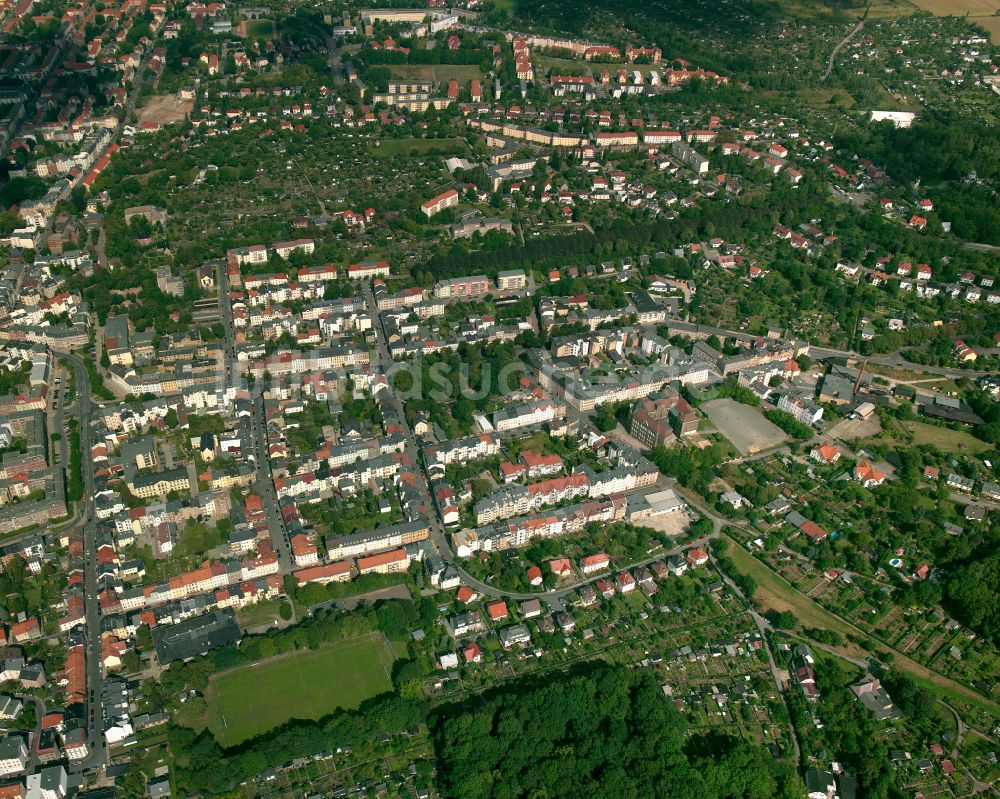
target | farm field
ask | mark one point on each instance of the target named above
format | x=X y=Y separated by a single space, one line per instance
x=991 y=24
x=309 y=684
x=887 y=9
x=463 y=73
x=959 y=8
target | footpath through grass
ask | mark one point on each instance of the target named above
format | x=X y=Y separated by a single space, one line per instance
x=773 y=591
x=308 y=684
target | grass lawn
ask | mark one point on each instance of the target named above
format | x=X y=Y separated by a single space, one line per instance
x=945 y=439
x=389 y=148
x=841 y=97
x=253 y=699
x=463 y=73
x=263 y=613
x=260 y=29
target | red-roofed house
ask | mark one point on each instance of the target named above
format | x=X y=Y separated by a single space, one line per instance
x=466 y=595
x=447 y=199
x=560 y=567
x=625 y=581
x=595 y=563
x=826 y=453
x=473 y=654
x=868 y=475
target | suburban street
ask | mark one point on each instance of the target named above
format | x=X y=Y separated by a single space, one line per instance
x=95 y=712
x=258 y=426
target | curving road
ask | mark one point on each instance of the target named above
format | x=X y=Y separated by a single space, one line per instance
x=560 y=593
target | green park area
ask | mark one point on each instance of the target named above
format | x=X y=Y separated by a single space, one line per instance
x=307 y=684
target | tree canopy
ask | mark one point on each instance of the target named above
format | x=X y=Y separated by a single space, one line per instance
x=601 y=731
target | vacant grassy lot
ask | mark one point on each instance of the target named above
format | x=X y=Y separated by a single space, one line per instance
x=838 y=97
x=260 y=29
x=567 y=66
x=463 y=73
x=164 y=109
x=262 y=614
x=944 y=439
x=309 y=684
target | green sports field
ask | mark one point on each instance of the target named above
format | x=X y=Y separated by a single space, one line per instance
x=310 y=684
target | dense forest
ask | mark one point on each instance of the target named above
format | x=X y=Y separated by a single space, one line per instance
x=951 y=158
x=602 y=731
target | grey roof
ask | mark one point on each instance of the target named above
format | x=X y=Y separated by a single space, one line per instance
x=195 y=636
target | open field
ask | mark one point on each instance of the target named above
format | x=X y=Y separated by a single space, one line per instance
x=991 y=24
x=563 y=66
x=959 y=8
x=839 y=97
x=164 y=109
x=309 y=684
x=774 y=592
x=463 y=73
x=743 y=425
x=944 y=439
x=887 y=9
x=258 y=29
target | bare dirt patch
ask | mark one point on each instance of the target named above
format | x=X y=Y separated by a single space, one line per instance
x=670 y=523
x=743 y=425
x=165 y=109
x=850 y=429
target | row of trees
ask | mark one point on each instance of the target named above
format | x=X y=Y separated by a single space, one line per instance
x=203 y=767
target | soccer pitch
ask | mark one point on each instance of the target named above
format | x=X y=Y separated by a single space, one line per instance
x=309 y=684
